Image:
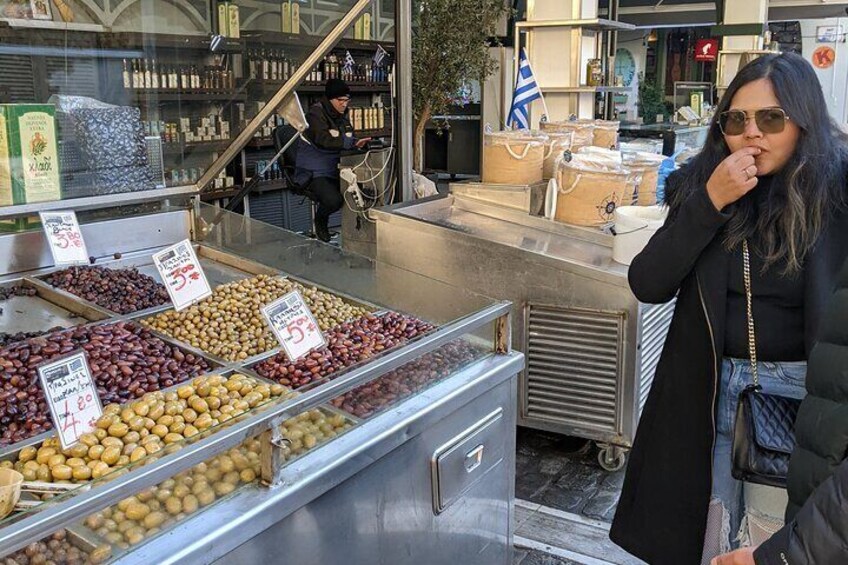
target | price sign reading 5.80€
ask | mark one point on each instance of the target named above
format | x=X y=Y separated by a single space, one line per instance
x=71 y=396
x=181 y=272
x=294 y=325
x=64 y=237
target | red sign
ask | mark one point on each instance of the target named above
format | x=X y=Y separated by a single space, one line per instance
x=706 y=50
x=824 y=57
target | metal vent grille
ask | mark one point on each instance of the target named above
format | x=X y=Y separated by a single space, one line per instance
x=72 y=76
x=574 y=362
x=268 y=207
x=18 y=84
x=655 y=321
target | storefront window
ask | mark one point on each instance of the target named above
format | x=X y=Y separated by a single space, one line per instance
x=103 y=97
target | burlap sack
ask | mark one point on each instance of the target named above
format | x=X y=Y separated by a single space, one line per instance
x=647 y=167
x=555 y=145
x=514 y=158
x=582 y=131
x=591 y=186
x=605 y=134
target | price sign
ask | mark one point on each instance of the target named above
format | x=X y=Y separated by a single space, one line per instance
x=64 y=237
x=71 y=396
x=184 y=278
x=294 y=325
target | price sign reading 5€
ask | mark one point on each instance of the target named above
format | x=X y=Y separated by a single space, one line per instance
x=294 y=325
x=181 y=272
x=64 y=237
x=71 y=396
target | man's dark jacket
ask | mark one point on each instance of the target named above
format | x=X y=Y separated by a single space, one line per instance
x=328 y=135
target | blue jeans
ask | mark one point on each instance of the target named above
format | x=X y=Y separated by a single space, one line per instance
x=784 y=379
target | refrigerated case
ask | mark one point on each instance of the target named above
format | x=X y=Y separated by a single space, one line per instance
x=592 y=348
x=395 y=439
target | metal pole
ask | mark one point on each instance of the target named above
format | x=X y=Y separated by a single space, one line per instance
x=403 y=90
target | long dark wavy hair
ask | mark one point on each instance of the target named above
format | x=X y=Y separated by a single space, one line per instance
x=804 y=192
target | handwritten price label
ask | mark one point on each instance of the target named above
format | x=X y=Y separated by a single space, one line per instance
x=294 y=325
x=71 y=396
x=64 y=237
x=183 y=276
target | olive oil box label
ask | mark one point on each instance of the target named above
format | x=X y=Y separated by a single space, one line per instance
x=29 y=156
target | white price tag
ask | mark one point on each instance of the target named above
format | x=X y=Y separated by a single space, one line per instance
x=71 y=396
x=294 y=325
x=64 y=237
x=182 y=274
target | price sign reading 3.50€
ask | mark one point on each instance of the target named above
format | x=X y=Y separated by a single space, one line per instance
x=181 y=272
x=294 y=325
x=64 y=237
x=71 y=396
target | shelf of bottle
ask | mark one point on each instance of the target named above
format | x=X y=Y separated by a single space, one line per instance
x=138 y=40
x=170 y=95
x=312 y=87
x=252 y=39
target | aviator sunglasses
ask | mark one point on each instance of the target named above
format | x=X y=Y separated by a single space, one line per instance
x=769 y=120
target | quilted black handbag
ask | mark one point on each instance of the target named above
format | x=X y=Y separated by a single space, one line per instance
x=764 y=433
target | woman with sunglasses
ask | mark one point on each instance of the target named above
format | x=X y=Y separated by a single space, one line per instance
x=771 y=178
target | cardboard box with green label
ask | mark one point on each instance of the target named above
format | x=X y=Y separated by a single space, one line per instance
x=29 y=156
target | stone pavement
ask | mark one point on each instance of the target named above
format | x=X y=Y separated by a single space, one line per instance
x=563 y=473
x=564 y=503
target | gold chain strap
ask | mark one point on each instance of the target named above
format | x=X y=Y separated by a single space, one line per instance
x=752 y=339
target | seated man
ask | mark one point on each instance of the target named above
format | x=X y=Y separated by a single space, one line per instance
x=329 y=133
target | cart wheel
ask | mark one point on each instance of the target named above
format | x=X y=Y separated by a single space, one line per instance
x=611 y=458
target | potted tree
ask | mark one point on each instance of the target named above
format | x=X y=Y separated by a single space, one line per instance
x=450 y=47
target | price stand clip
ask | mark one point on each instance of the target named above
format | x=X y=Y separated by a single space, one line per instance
x=294 y=325
x=71 y=396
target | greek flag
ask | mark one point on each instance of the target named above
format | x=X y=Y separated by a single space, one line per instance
x=348 y=63
x=526 y=91
x=379 y=55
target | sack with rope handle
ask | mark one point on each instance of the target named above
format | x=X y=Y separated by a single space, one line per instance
x=764 y=432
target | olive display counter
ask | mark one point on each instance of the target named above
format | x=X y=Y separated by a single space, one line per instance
x=396 y=438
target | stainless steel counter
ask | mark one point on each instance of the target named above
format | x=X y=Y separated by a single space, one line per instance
x=591 y=347
x=370 y=500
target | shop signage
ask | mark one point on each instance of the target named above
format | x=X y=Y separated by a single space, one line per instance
x=182 y=274
x=706 y=50
x=294 y=325
x=830 y=34
x=71 y=396
x=64 y=237
x=824 y=57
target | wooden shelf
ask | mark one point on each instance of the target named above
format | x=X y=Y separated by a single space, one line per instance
x=137 y=40
x=167 y=95
x=252 y=38
x=207 y=146
x=310 y=88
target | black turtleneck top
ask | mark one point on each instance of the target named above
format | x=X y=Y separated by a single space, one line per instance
x=778 y=303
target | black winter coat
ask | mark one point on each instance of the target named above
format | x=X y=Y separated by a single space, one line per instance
x=662 y=512
x=328 y=134
x=819 y=533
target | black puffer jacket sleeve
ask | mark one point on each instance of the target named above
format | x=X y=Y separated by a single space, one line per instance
x=657 y=272
x=819 y=533
x=324 y=133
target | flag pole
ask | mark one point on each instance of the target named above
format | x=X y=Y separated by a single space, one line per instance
x=541 y=96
